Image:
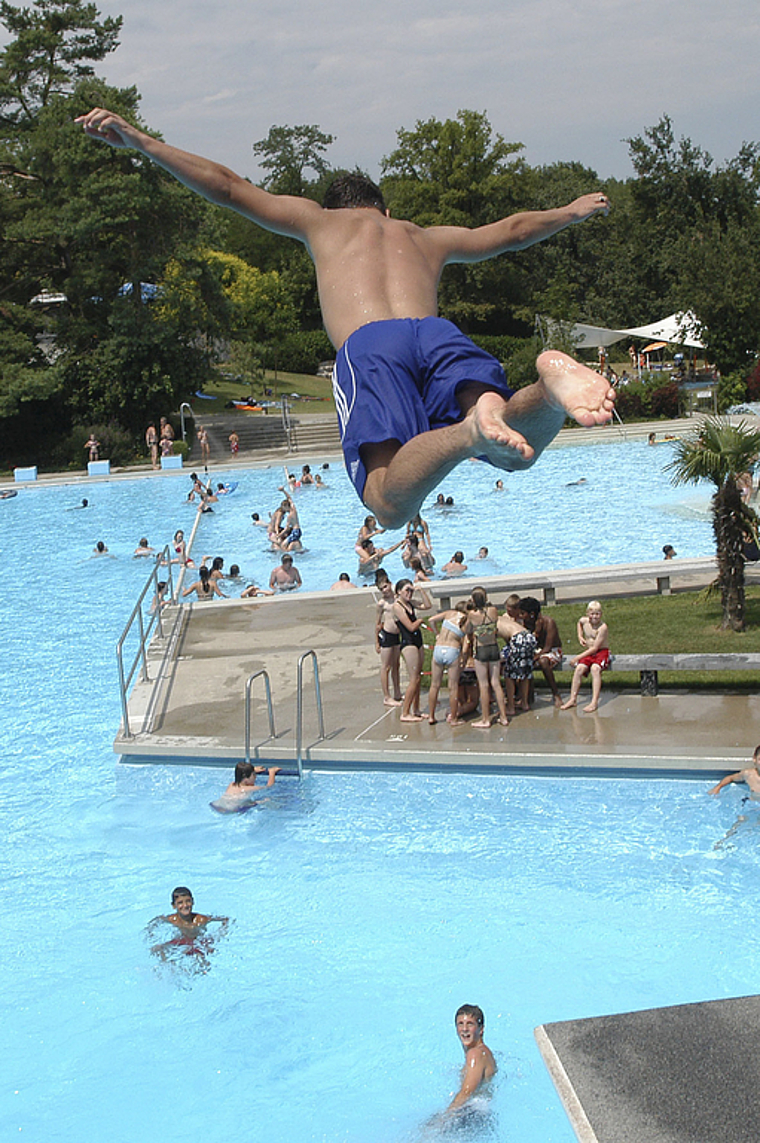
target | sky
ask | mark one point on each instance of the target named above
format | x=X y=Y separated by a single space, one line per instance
x=569 y=80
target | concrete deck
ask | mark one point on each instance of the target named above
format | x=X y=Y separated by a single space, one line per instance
x=664 y=1075
x=192 y=711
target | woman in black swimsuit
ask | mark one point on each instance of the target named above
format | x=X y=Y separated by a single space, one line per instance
x=412 y=649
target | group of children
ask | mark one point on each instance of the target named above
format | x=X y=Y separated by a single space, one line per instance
x=480 y=671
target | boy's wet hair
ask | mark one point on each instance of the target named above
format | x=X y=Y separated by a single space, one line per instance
x=351 y=191
x=181 y=891
x=243 y=770
x=471 y=1010
x=529 y=605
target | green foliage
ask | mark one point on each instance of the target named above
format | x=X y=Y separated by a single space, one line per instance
x=289 y=151
x=54 y=40
x=732 y=390
x=720 y=452
x=246 y=360
x=302 y=351
x=116 y=444
x=460 y=173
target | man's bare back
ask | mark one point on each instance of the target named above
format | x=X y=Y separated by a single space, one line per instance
x=372 y=269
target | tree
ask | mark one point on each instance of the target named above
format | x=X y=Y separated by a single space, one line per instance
x=54 y=42
x=697 y=237
x=720 y=452
x=460 y=173
x=288 y=152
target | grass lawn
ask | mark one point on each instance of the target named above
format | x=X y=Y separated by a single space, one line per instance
x=673 y=624
x=223 y=389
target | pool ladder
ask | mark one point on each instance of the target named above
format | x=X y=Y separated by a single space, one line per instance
x=263 y=673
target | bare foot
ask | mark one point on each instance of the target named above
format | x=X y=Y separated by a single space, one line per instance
x=481 y=725
x=392 y=702
x=491 y=435
x=567 y=705
x=590 y=708
x=511 y=712
x=585 y=396
x=432 y=720
x=455 y=721
x=504 y=722
x=558 y=701
x=411 y=718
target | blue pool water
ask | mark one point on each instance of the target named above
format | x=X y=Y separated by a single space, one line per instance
x=366 y=909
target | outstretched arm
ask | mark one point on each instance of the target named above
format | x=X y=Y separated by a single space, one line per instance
x=738 y=777
x=284 y=214
x=458 y=244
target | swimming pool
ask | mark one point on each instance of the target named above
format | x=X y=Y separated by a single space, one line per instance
x=624 y=512
x=366 y=908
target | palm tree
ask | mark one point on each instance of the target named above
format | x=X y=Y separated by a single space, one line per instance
x=720 y=452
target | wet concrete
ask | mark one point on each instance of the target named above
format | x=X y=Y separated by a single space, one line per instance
x=193 y=708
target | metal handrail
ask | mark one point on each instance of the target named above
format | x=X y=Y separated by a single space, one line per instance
x=162 y=566
x=299 y=707
x=270 y=710
x=287 y=423
x=182 y=408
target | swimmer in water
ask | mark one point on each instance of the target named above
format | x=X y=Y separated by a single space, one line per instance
x=244 y=783
x=190 y=925
x=471 y=1102
x=751 y=776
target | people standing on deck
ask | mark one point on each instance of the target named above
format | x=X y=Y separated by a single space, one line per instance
x=203 y=442
x=481 y=626
x=151 y=443
x=594 y=636
x=518 y=657
x=388 y=644
x=94 y=447
x=447 y=654
x=412 y=648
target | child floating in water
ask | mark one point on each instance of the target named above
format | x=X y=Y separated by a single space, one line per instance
x=191 y=926
x=594 y=636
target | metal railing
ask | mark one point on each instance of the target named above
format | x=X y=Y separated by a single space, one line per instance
x=270 y=711
x=299 y=707
x=287 y=424
x=161 y=568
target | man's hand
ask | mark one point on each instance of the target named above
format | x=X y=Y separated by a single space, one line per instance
x=109 y=128
x=590 y=204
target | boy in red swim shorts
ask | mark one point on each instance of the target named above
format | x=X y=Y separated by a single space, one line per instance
x=593 y=634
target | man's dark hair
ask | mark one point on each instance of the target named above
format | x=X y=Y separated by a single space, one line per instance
x=471 y=1010
x=351 y=191
x=530 y=605
x=180 y=891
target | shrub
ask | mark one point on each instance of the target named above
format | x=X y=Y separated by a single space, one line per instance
x=300 y=352
x=116 y=445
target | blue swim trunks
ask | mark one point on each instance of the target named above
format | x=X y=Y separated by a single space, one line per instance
x=396 y=379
